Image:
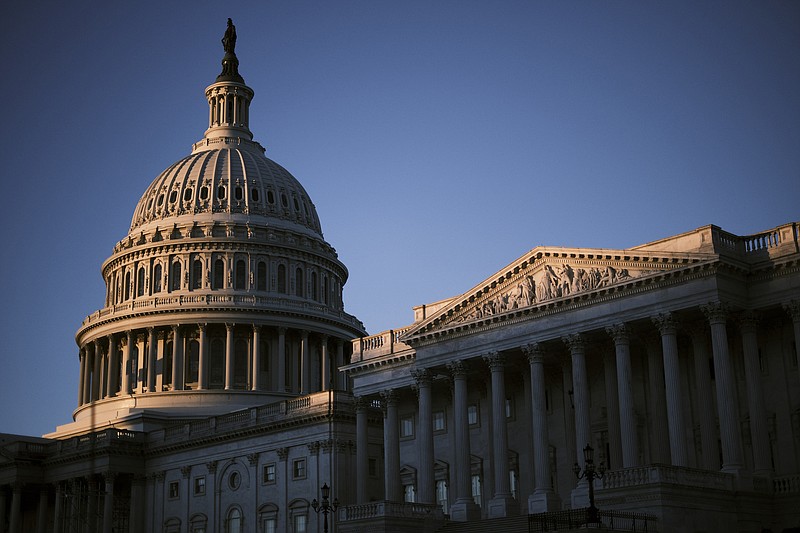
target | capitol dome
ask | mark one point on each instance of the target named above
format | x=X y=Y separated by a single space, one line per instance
x=224 y=293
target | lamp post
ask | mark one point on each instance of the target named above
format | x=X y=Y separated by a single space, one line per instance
x=590 y=473
x=325 y=506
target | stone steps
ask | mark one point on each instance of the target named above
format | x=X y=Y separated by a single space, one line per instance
x=512 y=524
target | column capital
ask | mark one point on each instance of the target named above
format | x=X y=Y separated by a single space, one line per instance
x=716 y=312
x=457 y=369
x=422 y=376
x=304 y=334
x=575 y=342
x=666 y=323
x=389 y=397
x=282 y=330
x=748 y=320
x=186 y=471
x=162 y=334
x=793 y=308
x=256 y=328
x=620 y=333
x=283 y=453
x=495 y=360
x=535 y=352
x=212 y=466
x=229 y=326
x=360 y=403
x=202 y=327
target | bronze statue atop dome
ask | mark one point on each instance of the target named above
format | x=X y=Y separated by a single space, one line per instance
x=229 y=39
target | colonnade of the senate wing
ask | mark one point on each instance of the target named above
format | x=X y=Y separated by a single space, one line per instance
x=669 y=389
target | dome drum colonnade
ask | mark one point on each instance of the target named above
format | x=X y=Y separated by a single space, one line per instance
x=224 y=281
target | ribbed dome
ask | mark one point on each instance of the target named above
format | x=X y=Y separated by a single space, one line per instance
x=229 y=180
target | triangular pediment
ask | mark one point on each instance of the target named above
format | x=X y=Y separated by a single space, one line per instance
x=548 y=275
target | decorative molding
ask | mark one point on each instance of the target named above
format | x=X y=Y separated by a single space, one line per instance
x=535 y=352
x=716 y=312
x=457 y=369
x=575 y=342
x=283 y=453
x=495 y=361
x=252 y=458
x=666 y=323
x=620 y=333
x=211 y=466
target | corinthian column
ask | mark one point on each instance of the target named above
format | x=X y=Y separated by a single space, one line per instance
x=151 y=359
x=111 y=382
x=129 y=339
x=502 y=504
x=391 y=446
x=627 y=415
x=426 y=483
x=256 y=364
x=362 y=444
x=793 y=308
x=97 y=375
x=464 y=509
x=759 y=434
x=202 y=357
x=580 y=388
x=704 y=399
x=81 y=377
x=667 y=326
x=177 y=358
x=543 y=499
x=717 y=312
x=229 y=356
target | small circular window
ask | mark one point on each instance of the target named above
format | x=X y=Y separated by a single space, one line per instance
x=234 y=480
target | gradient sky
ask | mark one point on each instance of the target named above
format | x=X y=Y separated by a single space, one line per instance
x=439 y=140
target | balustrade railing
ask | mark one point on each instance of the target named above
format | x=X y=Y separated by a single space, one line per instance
x=786 y=484
x=383 y=343
x=385 y=509
x=643 y=475
x=759 y=243
x=577 y=518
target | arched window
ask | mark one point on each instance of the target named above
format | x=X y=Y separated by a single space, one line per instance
x=263 y=364
x=233 y=523
x=216 y=370
x=325 y=289
x=157 y=273
x=167 y=372
x=127 y=285
x=240 y=365
x=175 y=276
x=268 y=518
x=282 y=279
x=140 y=282
x=262 y=276
x=218 y=277
x=298 y=280
x=193 y=362
x=197 y=274
x=314 y=292
x=241 y=275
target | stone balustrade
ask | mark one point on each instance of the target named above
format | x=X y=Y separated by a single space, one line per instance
x=769 y=243
x=787 y=484
x=676 y=475
x=385 y=509
x=378 y=345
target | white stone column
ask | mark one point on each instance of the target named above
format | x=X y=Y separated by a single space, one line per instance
x=228 y=356
x=305 y=373
x=125 y=387
x=464 y=508
x=177 y=358
x=793 y=308
x=704 y=399
x=340 y=377
x=108 y=503
x=391 y=445
x=759 y=433
x=362 y=448
x=161 y=360
x=627 y=413
x=202 y=357
x=87 y=372
x=151 y=359
x=426 y=492
x=502 y=503
x=580 y=388
x=282 y=359
x=542 y=499
x=103 y=375
x=141 y=363
x=81 y=377
x=730 y=433
x=325 y=368
x=113 y=365
x=667 y=326
x=612 y=408
x=256 y=365
x=657 y=401
x=97 y=372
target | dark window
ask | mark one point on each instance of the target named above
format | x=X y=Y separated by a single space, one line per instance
x=270 y=197
x=157 y=273
x=299 y=469
x=140 y=282
x=241 y=273
x=298 y=289
x=254 y=194
x=176 y=276
x=216 y=374
x=200 y=485
x=193 y=361
x=240 y=364
x=204 y=193
x=284 y=201
x=296 y=205
x=314 y=295
x=127 y=285
x=173 y=196
x=197 y=274
x=160 y=200
x=262 y=276
x=269 y=473
x=174 y=489
x=187 y=195
x=218 y=278
x=282 y=279
x=221 y=192
x=237 y=192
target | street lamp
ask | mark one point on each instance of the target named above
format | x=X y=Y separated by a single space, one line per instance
x=325 y=506
x=590 y=473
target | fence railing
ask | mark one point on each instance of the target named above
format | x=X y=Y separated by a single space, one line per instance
x=576 y=518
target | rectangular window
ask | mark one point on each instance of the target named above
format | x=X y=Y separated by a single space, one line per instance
x=199 y=485
x=512 y=482
x=441 y=494
x=299 y=469
x=299 y=523
x=407 y=426
x=509 y=408
x=409 y=493
x=476 y=488
x=472 y=414
x=174 y=489
x=373 y=467
x=270 y=525
x=439 y=422
x=268 y=473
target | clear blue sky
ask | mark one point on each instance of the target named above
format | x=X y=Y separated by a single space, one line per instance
x=438 y=140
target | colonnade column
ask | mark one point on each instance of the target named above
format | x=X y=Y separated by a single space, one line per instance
x=58 y=507
x=425 y=481
x=125 y=387
x=340 y=377
x=96 y=372
x=391 y=445
x=464 y=509
x=151 y=359
x=177 y=358
x=41 y=516
x=759 y=434
x=228 y=356
x=793 y=308
x=103 y=375
x=82 y=376
x=282 y=359
x=304 y=360
x=325 y=366
x=667 y=326
x=543 y=499
x=627 y=414
x=614 y=460
x=108 y=502
x=256 y=365
x=657 y=400
x=730 y=435
x=704 y=399
x=362 y=452
x=580 y=398
x=14 y=520
x=502 y=503
x=202 y=357
x=113 y=364
x=87 y=372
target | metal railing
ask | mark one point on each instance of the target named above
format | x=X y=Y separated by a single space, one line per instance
x=576 y=518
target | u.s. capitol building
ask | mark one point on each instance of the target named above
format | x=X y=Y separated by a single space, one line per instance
x=222 y=383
